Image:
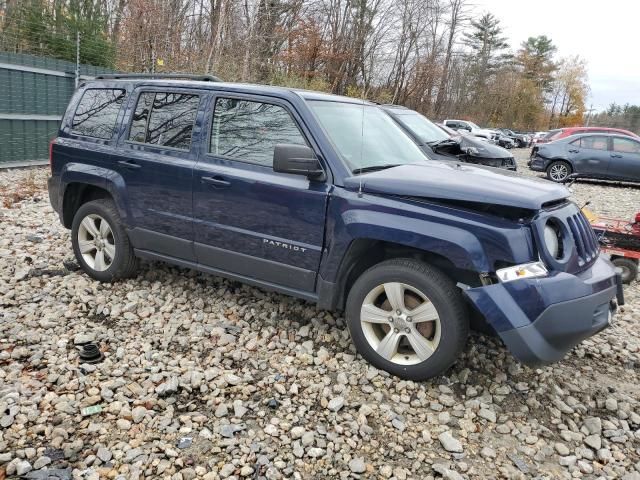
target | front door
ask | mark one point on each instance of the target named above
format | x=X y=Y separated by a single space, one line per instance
x=248 y=219
x=590 y=155
x=625 y=159
x=155 y=158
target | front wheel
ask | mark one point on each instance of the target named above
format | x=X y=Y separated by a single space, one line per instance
x=100 y=242
x=558 y=171
x=407 y=318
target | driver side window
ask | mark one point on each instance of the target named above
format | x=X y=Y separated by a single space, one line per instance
x=625 y=145
x=249 y=131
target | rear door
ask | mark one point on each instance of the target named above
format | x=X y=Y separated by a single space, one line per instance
x=250 y=220
x=589 y=155
x=625 y=159
x=156 y=156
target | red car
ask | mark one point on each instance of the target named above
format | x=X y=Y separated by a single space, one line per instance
x=559 y=133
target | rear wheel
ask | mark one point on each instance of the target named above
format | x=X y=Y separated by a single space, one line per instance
x=629 y=268
x=558 y=171
x=100 y=242
x=407 y=318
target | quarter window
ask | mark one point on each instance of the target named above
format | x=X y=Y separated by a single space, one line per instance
x=97 y=112
x=164 y=119
x=594 y=143
x=249 y=131
x=625 y=145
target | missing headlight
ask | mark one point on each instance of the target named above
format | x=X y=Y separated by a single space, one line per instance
x=553 y=239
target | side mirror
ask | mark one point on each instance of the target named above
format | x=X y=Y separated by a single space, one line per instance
x=298 y=160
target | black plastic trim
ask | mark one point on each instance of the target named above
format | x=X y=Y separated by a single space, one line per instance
x=310 y=296
x=255 y=267
x=144 y=239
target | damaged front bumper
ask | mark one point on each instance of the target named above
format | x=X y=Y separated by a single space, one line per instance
x=538 y=164
x=541 y=319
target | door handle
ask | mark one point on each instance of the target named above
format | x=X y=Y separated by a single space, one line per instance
x=129 y=164
x=573 y=151
x=215 y=181
x=616 y=155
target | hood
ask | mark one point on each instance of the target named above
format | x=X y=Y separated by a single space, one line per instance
x=484 y=149
x=458 y=181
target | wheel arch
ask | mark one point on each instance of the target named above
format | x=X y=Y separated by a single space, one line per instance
x=364 y=253
x=84 y=183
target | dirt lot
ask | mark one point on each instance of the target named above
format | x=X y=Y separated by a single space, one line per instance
x=269 y=386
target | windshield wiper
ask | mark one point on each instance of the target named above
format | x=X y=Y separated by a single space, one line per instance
x=374 y=168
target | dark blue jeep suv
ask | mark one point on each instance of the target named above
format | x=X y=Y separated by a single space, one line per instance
x=325 y=198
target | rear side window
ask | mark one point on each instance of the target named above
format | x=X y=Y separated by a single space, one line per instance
x=164 y=119
x=249 y=131
x=97 y=112
x=594 y=143
x=625 y=145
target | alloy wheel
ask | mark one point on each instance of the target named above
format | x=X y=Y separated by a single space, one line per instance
x=96 y=242
x=400 y=323
x=559 y=172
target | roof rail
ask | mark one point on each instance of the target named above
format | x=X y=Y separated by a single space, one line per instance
x=175 y=76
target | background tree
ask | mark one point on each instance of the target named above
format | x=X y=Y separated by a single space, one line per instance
x=436 y=56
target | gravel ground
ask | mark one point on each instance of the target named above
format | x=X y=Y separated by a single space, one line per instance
x=206 y=378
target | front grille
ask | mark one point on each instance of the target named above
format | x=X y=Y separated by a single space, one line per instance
x=584 y=237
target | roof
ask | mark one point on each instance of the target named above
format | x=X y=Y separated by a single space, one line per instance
x=598 y=134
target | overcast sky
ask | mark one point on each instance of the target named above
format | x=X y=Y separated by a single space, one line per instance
x=606 y=34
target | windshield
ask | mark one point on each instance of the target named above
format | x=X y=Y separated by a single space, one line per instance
x=473 y=125
x=422 y=127
x=365 y=136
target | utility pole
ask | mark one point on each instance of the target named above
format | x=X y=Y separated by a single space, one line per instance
x=591 y=109
x=77 y=58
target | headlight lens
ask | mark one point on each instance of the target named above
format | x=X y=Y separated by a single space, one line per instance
x=526 y=270
x=552 y=240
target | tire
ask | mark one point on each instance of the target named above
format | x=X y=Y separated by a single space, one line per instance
x=106 y=254
x=440 y=341
x=629 y=268
x=558 y=171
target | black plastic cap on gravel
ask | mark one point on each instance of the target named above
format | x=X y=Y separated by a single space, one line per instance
x=90 y=353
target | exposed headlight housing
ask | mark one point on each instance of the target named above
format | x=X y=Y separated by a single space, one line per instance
x=526 y=270
x=553 y=239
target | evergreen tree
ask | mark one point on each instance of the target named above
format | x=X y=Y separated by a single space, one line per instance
x=536 y=59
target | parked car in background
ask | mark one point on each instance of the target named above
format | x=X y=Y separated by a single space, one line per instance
x=538 y=136
x=326 y=198
x=440 y=144
x=557 y=134
x=471 y=128
x=520 y=140
x=503 y=140
x=604 y=156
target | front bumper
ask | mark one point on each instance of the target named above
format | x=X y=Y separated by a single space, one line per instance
x=541 y=319
x=538 y=164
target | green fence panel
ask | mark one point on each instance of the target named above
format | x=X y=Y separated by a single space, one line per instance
x=31 y=103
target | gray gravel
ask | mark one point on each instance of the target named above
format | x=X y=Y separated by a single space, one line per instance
x=206 y=378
